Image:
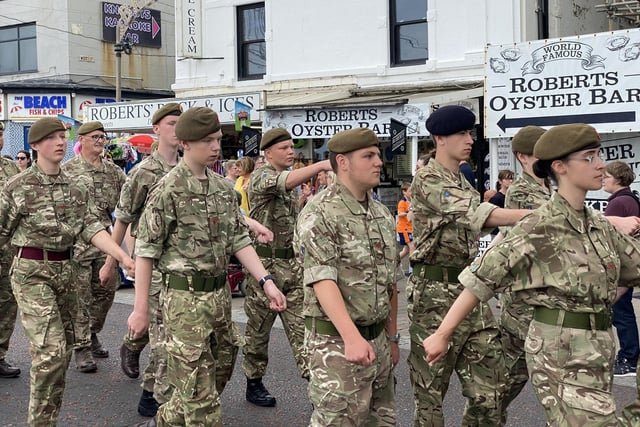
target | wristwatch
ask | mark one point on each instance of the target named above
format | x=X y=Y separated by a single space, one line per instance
x=395 y=338
x=264 y=280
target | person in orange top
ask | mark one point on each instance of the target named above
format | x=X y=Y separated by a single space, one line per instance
x=404 y=226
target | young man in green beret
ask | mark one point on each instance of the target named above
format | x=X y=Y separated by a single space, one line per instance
x=135 y=190
x=190 y=227
x=8 y=305
x=347 y=243
x=274 y=203
x=96 y=295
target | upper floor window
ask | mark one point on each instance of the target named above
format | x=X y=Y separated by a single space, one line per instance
x=252 y=55
x=18 y=49
x=408 y=32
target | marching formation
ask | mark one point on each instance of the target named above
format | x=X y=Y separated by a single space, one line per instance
x=327 y=265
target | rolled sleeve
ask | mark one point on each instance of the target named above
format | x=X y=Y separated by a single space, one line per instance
x=148 y=249
x=282 y=182
x=317 y=273
x=477 y=287
x=479 y=217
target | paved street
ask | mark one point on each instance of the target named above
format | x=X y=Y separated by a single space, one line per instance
x=108 y=398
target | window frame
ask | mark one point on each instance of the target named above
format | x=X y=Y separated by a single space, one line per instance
x=394 y=31
x=18 y=41
x=243 y=45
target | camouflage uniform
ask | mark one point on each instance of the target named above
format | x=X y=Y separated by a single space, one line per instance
x=48 y=212
x=191 y=228
x=95 y=300
x=8 y=305
x=567 y=264
x=133 y=196
x=276 y=208
x=631 y=413
x=342 y=241
x=524 y=193
x=448 y=216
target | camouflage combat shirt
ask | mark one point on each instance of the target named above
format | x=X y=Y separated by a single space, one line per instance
x=341 y=240
x=273 y=205
x=106 y=182
x=191 y=226
x=558 y=258
x=135 y=190
x=48 y=212
x=448 y=217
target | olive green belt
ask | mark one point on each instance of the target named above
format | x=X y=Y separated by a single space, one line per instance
x=437 y=273
x=325 y=327
x=269 y=252
x=551 y=316
x=195 y=283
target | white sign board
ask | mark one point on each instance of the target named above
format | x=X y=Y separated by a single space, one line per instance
x=137 y=115
x=592 y=79
x=31 y=107
x=189 y=31
x=325 y=122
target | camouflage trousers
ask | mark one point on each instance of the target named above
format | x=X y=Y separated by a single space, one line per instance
x=48 y=305
x=94 y=299
x=8 y=304
x=516 y=364
x=191 y=319
x=260 y=318
x=571 y=371
x=631 y=413
x=347 y=394
x=475 y=354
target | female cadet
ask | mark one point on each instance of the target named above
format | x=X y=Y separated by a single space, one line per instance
x=43 y=212
x=565 y=260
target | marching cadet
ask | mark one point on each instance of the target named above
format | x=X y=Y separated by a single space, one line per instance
x=348 y=246
x=190 y=227
x=43 y=211
x=96 y=290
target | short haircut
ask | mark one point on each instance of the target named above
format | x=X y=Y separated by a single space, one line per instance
x=621 y=172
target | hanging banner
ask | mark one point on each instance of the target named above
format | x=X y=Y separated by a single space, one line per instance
x=251 y=141
x=398 y=137
x=242 y=115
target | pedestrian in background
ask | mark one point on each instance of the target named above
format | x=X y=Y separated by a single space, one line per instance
x=96 y=287
x=448 y=220
x=616 y=180
x=8 y=305
x=350 y=295
x=189 y=228
x=43 y=211
x=274 y=203
x=404 y=225
x=505 y=178
x=23 y=159
x=245 y=168
x=568 y=262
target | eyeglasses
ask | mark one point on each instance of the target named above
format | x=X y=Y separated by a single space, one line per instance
x=99 y=137
x=591 y=158
x=21 y=158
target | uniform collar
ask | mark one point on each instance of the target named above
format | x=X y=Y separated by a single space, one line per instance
x=582 y=221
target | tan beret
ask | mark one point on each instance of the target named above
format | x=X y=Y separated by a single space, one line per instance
x=90 y=127
x=273 y=136
x=561 y=140
x=170 y=109
x=44 y=127
x=351 y=140
x=524 y=141
x=196 y=123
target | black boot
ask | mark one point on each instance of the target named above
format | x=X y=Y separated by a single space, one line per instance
x=258 y=394
x=148 y=406
x=8 y=371
x=97 y=349
x=130 y=362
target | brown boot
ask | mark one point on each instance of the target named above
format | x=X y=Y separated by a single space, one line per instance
x=97 y=349
x=84 y=360
x=130 y=361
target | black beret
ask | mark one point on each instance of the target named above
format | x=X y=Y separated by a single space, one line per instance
x=90 y=127
x=170 y=109
x=44 y=127
x=450 y=119
x=351 y=140
x=524 y=141
x=273 y=136
x=196 y=123
x=561 y=140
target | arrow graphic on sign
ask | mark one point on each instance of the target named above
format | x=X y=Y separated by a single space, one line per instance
x=520 y=122
x=155 y=28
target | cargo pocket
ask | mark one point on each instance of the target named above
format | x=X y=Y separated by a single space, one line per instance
x=328 y=400
x=587 y=399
